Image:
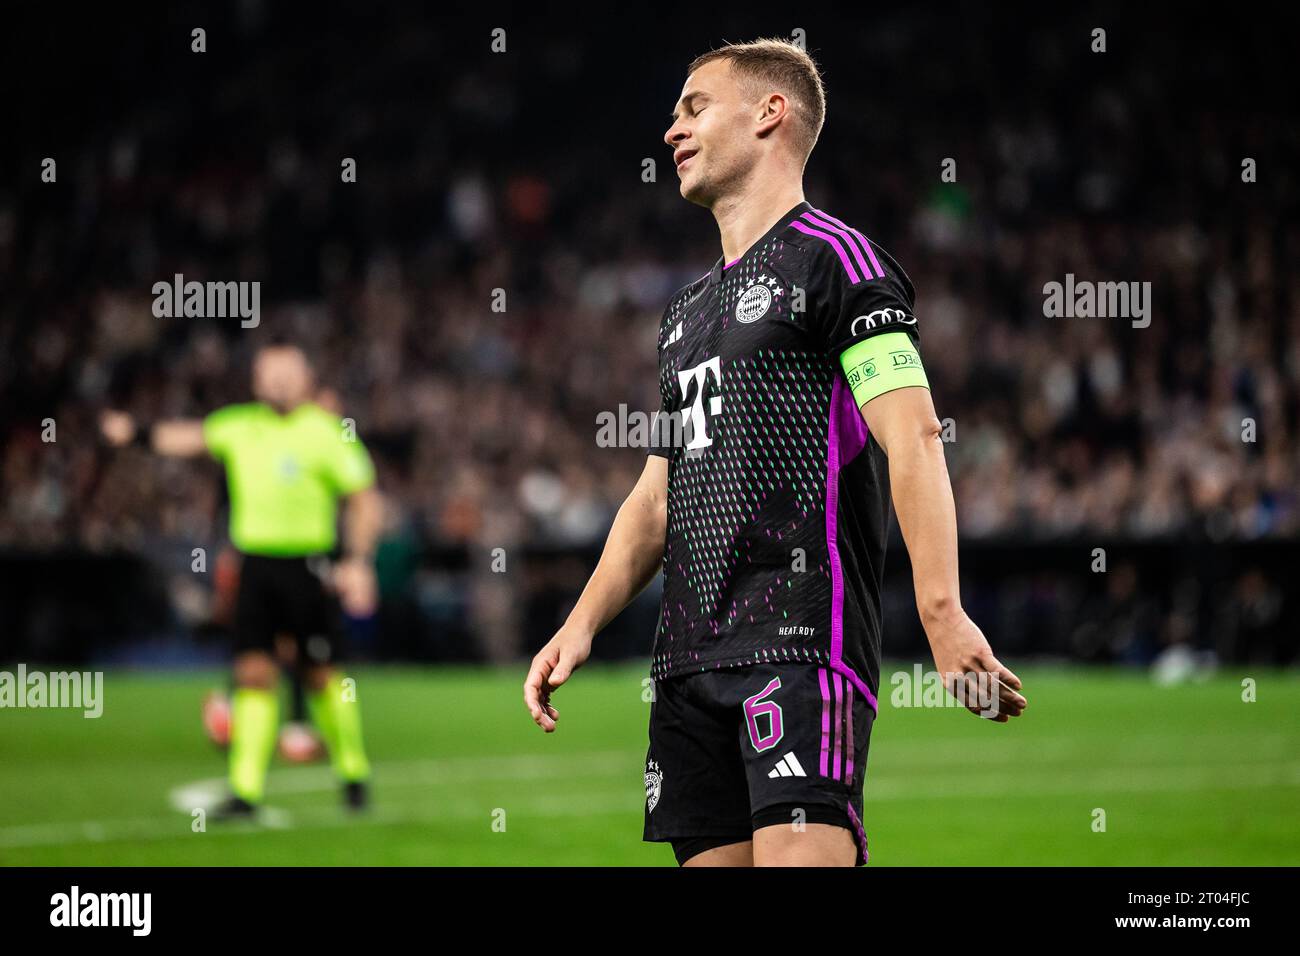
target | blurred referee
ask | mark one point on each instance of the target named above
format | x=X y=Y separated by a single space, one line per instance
x=288 y=462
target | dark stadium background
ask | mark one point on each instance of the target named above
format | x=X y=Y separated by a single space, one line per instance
x=1162 y=729
x=522 y=171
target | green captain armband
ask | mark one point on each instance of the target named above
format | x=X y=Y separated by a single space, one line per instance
x=881 y=364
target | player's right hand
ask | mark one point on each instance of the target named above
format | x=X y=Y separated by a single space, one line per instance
x=554 y=664
x=118 y=427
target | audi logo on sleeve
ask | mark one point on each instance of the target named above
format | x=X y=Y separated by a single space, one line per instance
x=874 y=320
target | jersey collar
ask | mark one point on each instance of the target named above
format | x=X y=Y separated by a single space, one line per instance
x=720 y=267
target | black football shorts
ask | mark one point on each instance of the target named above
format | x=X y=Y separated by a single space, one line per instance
x=287 y=596
x=738 y=749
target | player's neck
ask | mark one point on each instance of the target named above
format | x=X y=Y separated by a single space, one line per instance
x=745 y=217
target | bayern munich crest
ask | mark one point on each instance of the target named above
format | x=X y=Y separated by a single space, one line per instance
x=757 y=299
x=654 y=784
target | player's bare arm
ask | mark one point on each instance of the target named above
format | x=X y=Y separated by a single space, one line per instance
x=631 y=558
x=903 y=421
x=173 y=438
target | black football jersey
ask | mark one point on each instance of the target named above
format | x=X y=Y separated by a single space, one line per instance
x=778 y=498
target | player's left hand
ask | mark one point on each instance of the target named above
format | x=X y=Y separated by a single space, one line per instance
x=358 y=591
x=971 y=673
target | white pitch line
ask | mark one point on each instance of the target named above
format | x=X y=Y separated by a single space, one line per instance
x=149 y=829
x=965 y=781
x=435 y=771
x=205 y=794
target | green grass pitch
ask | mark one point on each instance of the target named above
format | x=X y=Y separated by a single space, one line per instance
x=1184 y=775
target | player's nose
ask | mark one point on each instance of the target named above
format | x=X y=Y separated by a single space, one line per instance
x=676 y=133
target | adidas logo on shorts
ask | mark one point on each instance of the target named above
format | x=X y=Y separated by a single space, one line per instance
x=788 y=766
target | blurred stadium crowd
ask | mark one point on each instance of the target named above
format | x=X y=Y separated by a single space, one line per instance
x=480 y=172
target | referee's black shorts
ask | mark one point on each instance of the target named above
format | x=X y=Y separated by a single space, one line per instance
x=287 y=596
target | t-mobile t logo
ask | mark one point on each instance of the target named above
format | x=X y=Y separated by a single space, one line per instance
x=695 y=423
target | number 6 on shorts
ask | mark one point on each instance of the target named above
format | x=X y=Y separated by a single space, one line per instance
x=756 y=707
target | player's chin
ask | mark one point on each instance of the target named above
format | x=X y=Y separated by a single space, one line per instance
x=694 y=194
x=690 y=188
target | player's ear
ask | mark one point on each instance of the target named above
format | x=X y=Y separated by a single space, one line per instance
x=772 y=111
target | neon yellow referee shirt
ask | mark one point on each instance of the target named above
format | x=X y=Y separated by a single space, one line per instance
x=285 y=474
